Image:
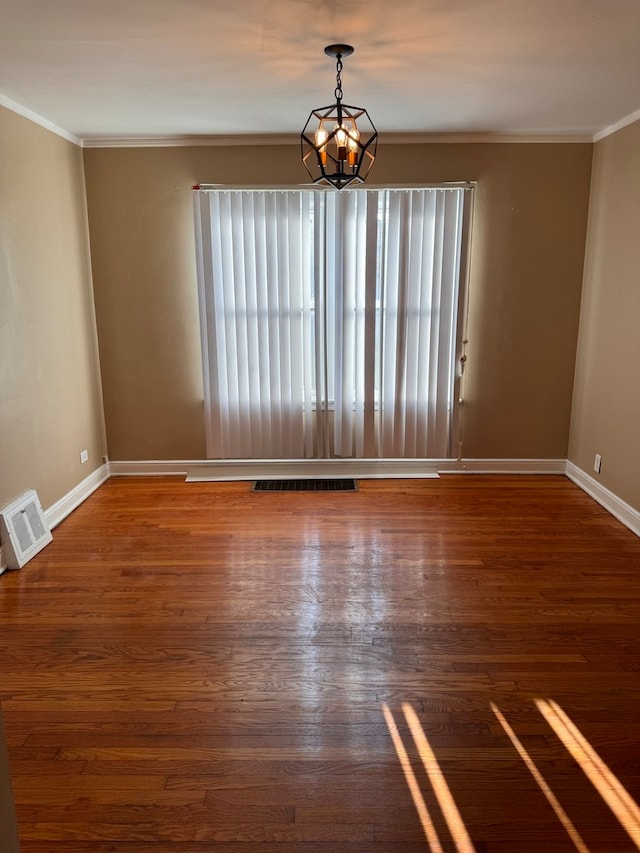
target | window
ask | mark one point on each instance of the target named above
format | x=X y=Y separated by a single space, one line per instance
x=330 y=321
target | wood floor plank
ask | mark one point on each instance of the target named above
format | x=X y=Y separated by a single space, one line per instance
x=193 y=668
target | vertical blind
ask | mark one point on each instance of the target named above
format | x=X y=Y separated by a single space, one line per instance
x=329 y=321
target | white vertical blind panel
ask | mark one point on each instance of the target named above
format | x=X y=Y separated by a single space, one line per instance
x=411 y=367
x=225 y=363
x=434 y=341
x=296 y=353
x=389 y=331
x=235 y=288
x=335 y=240
x=282 y=323
x=263 y=359
x=366 y=428
x=272 y=405
x=449 y=306
x=346 y=340
x=360 y=320
x=428 y=320
x=320 y=264
x=250 y=332
x=202 y=219
x=307 y=277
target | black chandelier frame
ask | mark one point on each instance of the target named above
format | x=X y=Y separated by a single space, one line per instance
x=339 y=141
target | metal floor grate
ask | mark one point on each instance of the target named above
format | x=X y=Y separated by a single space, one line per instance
x=342 y=485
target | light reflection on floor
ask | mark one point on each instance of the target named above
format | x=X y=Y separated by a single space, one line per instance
x=605 y=782
x=563 y=817
x=412 y=782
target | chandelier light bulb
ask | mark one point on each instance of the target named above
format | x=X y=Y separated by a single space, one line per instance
x=341 y=143
x=321 y=136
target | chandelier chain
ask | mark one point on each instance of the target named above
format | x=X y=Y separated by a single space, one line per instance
x=338 y=91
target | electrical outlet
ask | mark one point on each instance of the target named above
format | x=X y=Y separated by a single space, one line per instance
x=597 y=463
x=84 y=456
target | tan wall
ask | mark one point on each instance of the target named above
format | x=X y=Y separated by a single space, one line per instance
x=606 y=408
x=528 y=251
x=50 y=401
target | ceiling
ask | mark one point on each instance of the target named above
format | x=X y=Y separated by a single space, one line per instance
x=189 y=68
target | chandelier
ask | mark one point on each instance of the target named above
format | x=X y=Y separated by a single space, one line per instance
x=339 y=141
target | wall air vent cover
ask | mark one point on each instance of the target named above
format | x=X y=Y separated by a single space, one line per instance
x=23 y=529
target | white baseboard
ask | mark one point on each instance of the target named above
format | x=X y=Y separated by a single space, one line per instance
x=501 y=466
x=621 y=510
x=220 y=470
x=289 y=469
x=62 y=508
x=151 y=468
x=252 y=469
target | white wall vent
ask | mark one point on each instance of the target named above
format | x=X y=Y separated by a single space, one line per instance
x=23 y=530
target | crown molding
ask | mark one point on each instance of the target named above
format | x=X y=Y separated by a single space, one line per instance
x=614 y=128
x=189 y=141
x=294 y=139
x=25 y=112
x=482 y=138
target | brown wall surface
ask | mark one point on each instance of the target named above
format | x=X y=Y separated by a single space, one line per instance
x=526 y=273
x=606 y=407
x=50 y=398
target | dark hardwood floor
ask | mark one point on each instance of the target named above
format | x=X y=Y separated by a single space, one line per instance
x=198 y=668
